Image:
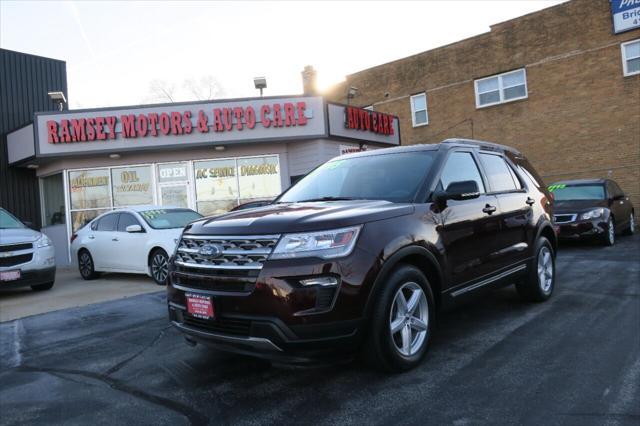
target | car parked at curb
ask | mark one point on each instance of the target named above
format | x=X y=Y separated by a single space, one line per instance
x=592 y=208
x=27 y=257
x=136 y=240
x=360 y=255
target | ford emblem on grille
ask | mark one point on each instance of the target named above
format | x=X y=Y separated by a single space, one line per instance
x=210 y=250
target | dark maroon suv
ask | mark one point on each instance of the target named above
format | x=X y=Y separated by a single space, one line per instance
x=361 y=254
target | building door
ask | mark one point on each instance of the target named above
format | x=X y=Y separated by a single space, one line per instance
x=174 y=187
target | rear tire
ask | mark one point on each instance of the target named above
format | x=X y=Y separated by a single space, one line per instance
x=42 y=287
x=159 y=266
x=401 y=321
x=540 y=281
x=86 y=265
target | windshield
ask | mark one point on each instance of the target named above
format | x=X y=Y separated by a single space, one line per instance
x=7 y=221
x=562 y=192
x=393 y=177
x=169 y=218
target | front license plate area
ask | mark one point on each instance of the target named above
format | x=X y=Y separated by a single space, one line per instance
x=10 y=275
x=200 y=306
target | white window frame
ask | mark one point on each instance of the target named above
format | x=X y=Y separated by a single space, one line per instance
x=501 y=88
x=413 y=110
x=625 y=70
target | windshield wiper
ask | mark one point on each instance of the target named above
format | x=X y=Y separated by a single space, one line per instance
x=327 y=199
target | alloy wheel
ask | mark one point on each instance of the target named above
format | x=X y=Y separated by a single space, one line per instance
x=409 y=319
x=611 y=232
x=86 y=264
x=160 y=267
x=545 y=269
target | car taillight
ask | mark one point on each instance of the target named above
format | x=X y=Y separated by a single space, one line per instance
x=73 y=237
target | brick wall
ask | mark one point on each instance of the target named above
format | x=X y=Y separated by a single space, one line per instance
x=581 y=118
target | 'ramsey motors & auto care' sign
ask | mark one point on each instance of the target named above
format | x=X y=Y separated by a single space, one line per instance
x=626 y=15
x=180 y=124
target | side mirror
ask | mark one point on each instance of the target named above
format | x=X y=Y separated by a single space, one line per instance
x=134 y=228
x=462 y=190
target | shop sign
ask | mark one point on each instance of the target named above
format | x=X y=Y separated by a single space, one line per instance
x=363 y=125
x=369 y=121
x=349 y=149
x=179 y=125
x=626 y=15
x=104 y=127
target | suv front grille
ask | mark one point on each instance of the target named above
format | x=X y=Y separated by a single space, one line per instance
x=15 y=247
x=225 y=252
x=15 y=260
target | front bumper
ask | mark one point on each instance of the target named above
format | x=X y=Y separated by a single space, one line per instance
x=272 y=315
x=31 y=277
x=39 y=268
x=582 y=229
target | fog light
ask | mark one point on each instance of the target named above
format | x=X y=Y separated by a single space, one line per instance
x=320 y=281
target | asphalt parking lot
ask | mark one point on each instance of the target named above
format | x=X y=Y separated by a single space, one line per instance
x=572 y=360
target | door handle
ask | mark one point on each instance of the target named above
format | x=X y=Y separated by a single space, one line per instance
x=91 y=237
x=489 y=209
x=530 y=201
x=114 y=239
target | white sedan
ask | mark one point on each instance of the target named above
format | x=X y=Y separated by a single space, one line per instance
x=135 y=239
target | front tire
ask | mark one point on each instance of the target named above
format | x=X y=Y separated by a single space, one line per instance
x=42 y=287
x=86 y=265
x=609 y=237
x=402 y=321
x=159 y=266
x=541 y=278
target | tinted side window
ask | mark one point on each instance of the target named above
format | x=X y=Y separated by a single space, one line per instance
x=126 y=219
x=108 y=222
x=498 y=173
x=460 y=166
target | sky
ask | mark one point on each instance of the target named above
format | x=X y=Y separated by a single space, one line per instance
x=127 y=53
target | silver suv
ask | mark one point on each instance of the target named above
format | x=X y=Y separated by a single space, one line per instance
x=27 y=257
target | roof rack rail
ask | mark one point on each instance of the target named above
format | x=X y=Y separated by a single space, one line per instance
x=482 y=144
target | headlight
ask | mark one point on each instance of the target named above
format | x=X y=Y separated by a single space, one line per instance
x=43 y=241
x=592 y=214
x=324 y=244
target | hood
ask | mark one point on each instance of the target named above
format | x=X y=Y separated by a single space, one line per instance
x=577 y=206
x=299 y=217
x=19 y=235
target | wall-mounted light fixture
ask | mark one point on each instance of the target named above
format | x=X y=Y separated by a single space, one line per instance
x=58 y=98
x=351 y=93
x=114 y=156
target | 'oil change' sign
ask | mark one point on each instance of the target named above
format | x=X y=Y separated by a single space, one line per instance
x=626 y=15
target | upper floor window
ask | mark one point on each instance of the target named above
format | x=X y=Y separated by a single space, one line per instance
x=501 y=88
x=631 y=57
x=419 y=115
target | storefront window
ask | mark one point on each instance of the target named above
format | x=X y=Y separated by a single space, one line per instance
x=173 y=172
x=175 y=195
x=216 y=186
x=259 y=178
x=132 y=186
x=53 y=200
x=89 y=189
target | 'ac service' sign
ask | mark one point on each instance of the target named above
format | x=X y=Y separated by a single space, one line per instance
x=626 y=15
x=180 y=125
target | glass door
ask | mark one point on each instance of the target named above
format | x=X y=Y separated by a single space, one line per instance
x=173 y=185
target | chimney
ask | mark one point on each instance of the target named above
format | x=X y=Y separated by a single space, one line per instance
x=309 y=76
